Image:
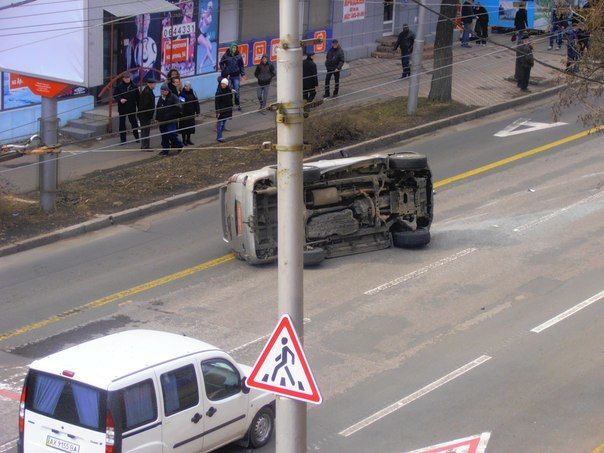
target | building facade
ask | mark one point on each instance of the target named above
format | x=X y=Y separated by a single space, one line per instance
x=150 y=38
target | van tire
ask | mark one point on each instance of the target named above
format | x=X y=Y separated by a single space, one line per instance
x=262 y=427
x=314 y=257
x=411 y=239
x=408 y=161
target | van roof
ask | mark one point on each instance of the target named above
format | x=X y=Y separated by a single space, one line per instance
x=104 y=360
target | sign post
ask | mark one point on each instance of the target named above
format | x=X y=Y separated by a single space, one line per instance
x=291 y=429
x=49 y=167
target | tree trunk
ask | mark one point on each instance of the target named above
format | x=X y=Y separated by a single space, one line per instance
x=442 y=77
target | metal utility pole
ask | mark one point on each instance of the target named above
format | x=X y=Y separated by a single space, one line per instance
x=48 y=170
x=416 y=60
x=291 y=427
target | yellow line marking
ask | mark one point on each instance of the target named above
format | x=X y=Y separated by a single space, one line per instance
x=599 y=449
x=515 y=157
x=119 y=295
x=226 y=258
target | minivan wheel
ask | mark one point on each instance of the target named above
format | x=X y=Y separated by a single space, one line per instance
x=262 y=427
x=314 y=256
x=411 y=239
x=408 y=161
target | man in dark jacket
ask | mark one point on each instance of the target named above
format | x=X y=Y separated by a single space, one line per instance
x=264 y=73
x=334 y=61
x=558 y=24
x=405 y=41
x=126 y=95
x=231 y=66
x=467 y=17
x=482 y=24
x=223 y=103
x=146 y=111
x=526 y=62
x=521 y=21
x=167 y=113
x=310 y=80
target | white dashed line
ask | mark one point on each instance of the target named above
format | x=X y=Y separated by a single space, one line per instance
x=569 y=312
x=419 y=272
x=7 y=446
x=414 y=396
x=539 y=221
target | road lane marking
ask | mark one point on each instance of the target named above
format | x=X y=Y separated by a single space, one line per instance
x=419 y=272
x=263 y=337
x=7 y=394
x=571 y=311
x=7 y=446
x=524 y=125
x=186 y=272
x=474 y=444
x=556 y=213
x=117 y=296
x=414 y=396
x=516 y=157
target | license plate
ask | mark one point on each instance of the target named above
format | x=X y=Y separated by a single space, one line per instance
x=62 y=445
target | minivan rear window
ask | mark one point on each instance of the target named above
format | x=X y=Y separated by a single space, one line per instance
x=66 y=400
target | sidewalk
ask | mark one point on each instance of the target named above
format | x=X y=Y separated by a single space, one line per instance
x=481 y=77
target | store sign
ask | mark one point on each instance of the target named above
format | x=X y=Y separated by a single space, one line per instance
x=274 y=47
x=321 y=34
x=16 y=82
x=353 y=10
x=259 y=50
x=37 y=86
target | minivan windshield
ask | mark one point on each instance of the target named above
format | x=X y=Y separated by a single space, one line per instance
x=66 y=400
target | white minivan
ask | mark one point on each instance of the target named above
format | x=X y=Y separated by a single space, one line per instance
x=141 y=391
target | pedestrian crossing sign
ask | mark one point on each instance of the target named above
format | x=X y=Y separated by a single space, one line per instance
x=282 y=367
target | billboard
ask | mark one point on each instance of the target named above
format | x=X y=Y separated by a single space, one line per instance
x=23 y=91
x=141 y=46
x=207 y=38
x=43 y=46
x=353 y=10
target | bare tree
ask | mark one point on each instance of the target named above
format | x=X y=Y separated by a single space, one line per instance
x=442 y=77
x=585 y=79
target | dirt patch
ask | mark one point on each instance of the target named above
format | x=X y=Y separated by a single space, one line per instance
x=107 y=191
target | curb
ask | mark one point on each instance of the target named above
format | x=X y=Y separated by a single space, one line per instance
x=211 y=191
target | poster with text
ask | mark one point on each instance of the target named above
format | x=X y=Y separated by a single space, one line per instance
x=178 y=39
x=141 y=46
x=207 y=36
x=353 y=10
x=15 y=92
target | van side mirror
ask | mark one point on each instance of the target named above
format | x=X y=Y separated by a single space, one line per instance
x=244 y=388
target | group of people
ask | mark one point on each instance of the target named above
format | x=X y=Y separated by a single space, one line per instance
x=177 y=105
x=175 y=110
x=469 y=13
x=232 y=70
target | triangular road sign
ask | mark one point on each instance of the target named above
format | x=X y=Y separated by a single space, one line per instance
x=472 y=444
x=523 y=125
x=282 y=367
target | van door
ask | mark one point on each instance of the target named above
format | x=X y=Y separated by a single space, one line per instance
x=182 y=406
x=225 y=404
x=135 y=412
x=63 y=414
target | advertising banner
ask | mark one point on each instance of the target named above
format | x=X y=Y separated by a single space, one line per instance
x=207 y=39
x=22 y=91
x=179 y=38
x=353 y=10
x=141 y=46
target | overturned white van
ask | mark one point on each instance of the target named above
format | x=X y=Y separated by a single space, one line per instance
x=352 y=205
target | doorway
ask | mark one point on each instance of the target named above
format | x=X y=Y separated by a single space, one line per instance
x=389 y=10
x=229 y=21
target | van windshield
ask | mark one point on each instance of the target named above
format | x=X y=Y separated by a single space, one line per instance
x=66 y=400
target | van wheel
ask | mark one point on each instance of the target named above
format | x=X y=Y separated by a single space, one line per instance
x=262 y=427
x=314 y=257
x=411 y=239
x=407 y=161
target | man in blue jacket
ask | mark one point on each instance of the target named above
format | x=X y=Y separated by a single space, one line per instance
x=232 y=68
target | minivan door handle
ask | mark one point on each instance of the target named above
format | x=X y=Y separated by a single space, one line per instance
x=211 y=411
x=196 y=417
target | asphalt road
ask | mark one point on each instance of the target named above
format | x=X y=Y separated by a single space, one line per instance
x=410 y=348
